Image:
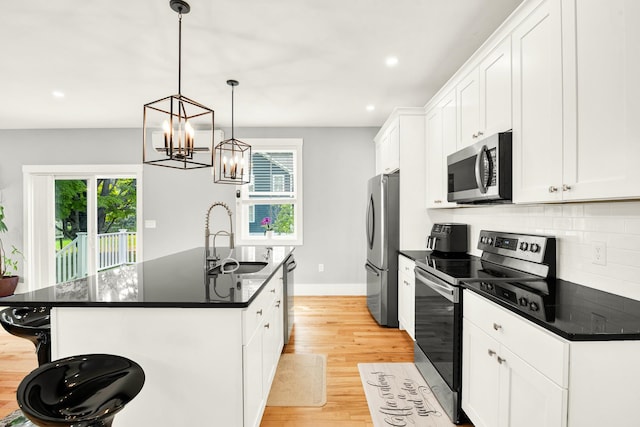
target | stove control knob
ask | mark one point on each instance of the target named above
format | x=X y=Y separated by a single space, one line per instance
x=490 y=286
x=524 y=246
x=490 y=240
x=523 y=301
x=534 y=248
x=533 y=306
x=483 y=239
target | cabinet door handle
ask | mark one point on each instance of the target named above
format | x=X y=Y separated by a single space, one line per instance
x=480 y=133
x=497 y=327
x=273 y=291
x=566 y=187
x=437 y=201
x=491 y=352
x=474 y=136
x=278 y=304
x=259 y=312
x=553 y=189
x=501 y=360
x=266 y=325
x=406 y=283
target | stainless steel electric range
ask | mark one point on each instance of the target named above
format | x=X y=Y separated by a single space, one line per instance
x=507 y=258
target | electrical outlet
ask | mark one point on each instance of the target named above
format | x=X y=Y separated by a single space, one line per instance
x=599 y=253
x=320 y=268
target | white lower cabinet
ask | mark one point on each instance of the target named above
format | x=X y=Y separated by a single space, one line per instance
x=264 y=340
x=518 y=374
x=406 y=295
x=503 y=384
x=501 y=389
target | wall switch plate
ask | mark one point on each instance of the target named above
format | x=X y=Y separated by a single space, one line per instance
x=599 y=253
x=320 y=268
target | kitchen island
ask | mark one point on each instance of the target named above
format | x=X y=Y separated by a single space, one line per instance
x=209 y=344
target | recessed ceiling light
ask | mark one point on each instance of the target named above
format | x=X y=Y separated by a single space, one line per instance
x=57 y=94
x=371 y=107
x=391 y=61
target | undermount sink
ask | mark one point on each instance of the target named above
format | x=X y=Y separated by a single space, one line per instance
x=246 y=267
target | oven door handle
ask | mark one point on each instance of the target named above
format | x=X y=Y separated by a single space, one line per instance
x=479 y=169
x=445 y=290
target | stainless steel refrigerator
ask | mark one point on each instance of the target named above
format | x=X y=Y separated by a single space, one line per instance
x=382 y=226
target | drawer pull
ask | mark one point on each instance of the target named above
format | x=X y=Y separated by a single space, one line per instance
x=497 y=327
x=273 y=291
x=259 y=312
x=501 y=360
x=406 y=283
x=266 y=325
x=491 y=352
x=553 y=189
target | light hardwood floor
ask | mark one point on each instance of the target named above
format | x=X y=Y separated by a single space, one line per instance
x=17 y=359
x=340 y=327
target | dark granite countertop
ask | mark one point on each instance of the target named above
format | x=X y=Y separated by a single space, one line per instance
x=414 y=254
x=580 y=313
x=176 y=280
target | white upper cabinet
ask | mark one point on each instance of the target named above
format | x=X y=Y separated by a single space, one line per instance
x=387 y=145
x=400 y=145
x=441 y=133
x=537 y=105
x=602 y=66
x=575 y=98
x=484 y=97
x=563 y=74
x=468 y=91
x=495 y=90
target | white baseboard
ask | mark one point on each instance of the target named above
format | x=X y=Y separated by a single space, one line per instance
x=325 y=289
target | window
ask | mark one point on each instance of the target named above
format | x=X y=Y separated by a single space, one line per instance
x=273 y=199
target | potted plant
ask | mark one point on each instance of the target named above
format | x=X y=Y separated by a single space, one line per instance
x=267 y=224
x=8 y=263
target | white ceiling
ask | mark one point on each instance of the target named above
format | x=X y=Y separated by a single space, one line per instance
x=299 y=62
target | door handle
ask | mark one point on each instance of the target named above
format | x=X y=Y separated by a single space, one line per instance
x=479 y=169
x=371 y=269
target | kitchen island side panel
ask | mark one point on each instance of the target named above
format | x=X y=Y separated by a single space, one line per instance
x=192 y=359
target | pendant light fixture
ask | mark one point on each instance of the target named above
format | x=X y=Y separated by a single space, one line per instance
x=178 y=131
x=233 y=157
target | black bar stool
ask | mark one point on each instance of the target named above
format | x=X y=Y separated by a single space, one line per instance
x=32 y=323
x=79 y=391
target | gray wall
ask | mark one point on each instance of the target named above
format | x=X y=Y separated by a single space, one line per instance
x=337 y=164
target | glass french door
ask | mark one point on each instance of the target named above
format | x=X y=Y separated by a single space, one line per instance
x=95 y=225
x=72 y=249
x=80 y=222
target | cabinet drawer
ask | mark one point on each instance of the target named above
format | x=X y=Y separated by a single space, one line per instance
x=255 y=314
x=406 y=265
x=540 y=348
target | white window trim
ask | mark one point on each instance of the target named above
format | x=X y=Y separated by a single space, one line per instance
x=242 y=220
x=42 y=274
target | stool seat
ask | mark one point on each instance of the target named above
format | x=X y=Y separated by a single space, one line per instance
x=79 y=391
x=32 y=323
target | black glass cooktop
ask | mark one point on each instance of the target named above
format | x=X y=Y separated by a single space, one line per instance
x=573 y=311
x=453 y=268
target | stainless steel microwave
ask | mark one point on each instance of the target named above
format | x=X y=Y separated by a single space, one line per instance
x=482 y=172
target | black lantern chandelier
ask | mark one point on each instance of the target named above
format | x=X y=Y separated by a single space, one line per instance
x=178 y=131
x=233 y=157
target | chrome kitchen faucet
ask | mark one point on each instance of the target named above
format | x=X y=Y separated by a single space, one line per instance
x=207 y=233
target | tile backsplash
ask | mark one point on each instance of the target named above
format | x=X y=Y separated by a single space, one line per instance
x=578 y=227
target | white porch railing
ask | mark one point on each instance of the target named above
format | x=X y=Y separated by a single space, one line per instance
x=113 y=249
